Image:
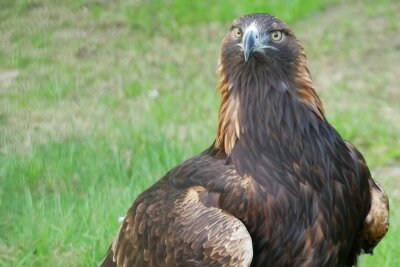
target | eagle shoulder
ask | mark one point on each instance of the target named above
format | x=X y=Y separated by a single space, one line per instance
x=376 y=223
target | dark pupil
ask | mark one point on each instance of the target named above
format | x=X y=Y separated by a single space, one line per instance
x=276 y=34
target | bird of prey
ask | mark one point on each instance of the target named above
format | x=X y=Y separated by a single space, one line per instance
x=278 y=187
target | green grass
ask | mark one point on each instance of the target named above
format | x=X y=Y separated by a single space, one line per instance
x=81 y=136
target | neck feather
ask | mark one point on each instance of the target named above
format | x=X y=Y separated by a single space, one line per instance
x=255 y=103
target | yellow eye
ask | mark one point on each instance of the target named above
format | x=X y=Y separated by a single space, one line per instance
x=276 y=35
x=237 y=32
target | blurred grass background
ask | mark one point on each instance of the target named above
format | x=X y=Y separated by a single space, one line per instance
x=98 y=99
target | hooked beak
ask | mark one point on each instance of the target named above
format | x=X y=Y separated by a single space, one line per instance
x=251 y=41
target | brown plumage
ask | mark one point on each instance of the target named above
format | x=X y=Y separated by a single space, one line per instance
x=279 y=186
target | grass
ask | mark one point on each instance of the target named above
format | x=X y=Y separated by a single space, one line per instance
x=82 y=130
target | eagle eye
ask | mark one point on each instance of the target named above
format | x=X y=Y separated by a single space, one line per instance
x=276 y=35
x=237 y=33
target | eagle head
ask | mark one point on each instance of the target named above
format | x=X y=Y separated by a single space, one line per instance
x=260 y=38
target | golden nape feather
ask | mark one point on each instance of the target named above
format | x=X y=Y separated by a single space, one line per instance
x=278 y=187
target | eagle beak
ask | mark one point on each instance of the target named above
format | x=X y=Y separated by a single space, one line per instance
x=250 y=41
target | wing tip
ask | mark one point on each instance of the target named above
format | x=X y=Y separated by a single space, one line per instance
x=108 y=260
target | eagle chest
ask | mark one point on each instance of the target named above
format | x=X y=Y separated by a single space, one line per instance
x=278 y=198
x=249 y=201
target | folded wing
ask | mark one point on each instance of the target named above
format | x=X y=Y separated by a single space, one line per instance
x=171 y=227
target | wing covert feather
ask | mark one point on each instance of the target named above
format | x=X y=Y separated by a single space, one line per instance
x=171 y=227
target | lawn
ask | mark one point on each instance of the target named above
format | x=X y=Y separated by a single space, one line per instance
x=98 y=99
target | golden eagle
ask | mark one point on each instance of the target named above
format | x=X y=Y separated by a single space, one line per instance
x=278 y=187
